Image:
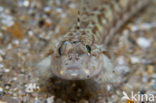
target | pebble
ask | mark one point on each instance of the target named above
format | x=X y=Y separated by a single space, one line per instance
x=1 y=89
x=121 y=60
x=16 y=42
x=1 y=8
x=72 y=5
x=145 y=79
x=6 y=20
x=26 y=3
x=1 y=59
x=37 y=101
x=123 y=69
x=47 y=9
x=144 y=26
x=59 y=10
x=135 y=60
x=7 y=86
x=143 y=42
x=1 y=65
x=6 y=70
x=2 y=52
x=14 y=79
x=150 y=69
x=50 y=99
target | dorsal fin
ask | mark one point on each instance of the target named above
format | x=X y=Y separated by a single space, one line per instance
x=78 y=20
x=85 y=6
x=79 y=14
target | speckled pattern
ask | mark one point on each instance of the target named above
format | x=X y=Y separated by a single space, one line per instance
x=79 y=53
x=28 y=26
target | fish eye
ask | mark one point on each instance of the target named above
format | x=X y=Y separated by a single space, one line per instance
x=65 y=46
x=59 y=51
x=88 y=48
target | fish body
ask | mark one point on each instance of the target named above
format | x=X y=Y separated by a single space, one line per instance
x=79 y=54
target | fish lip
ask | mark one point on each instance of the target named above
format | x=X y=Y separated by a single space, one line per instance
x=74 y=67
x=74 y=70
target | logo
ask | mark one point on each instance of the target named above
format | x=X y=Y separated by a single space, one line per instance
x=138 y=97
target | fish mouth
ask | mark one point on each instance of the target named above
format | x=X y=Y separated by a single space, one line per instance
x=84 y=68
x=74 y=70
x=74 y=67
x=78 y=71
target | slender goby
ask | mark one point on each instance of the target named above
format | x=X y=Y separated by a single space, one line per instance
x=78 y=55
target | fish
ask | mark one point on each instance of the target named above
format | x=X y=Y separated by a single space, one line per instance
x=80 y=53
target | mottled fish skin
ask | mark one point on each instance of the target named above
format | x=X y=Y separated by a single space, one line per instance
x=104 y=21
x=78 y=55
